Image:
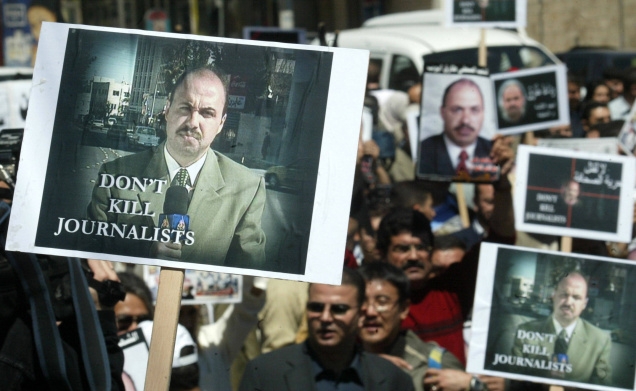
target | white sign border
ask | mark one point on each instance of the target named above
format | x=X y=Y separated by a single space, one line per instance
x=329 y=220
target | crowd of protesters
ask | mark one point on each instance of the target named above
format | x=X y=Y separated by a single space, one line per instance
x=401 y=318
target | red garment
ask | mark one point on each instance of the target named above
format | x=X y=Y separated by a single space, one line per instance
x=350 y=260
x=438 y=311
x=436 y=315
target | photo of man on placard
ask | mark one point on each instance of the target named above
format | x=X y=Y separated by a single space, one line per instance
x=576 y=193
x=459 y=152
x=484 y=11
x=157 y=151
x=211 y=183
x=530 y=99
x=511 y=100
x=556 y=316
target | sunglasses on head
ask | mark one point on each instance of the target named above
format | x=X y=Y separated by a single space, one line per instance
x=125 y=321
x=335 y=309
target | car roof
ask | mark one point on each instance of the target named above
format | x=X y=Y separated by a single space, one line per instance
x=427 y=39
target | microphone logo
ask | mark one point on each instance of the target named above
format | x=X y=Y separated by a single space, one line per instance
x=174 y=218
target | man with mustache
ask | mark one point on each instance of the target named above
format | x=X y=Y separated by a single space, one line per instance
x=435 y=313
x=565 y=337
x=224 y=200
x=458 y=153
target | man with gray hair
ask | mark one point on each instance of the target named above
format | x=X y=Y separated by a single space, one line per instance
x=511 y=100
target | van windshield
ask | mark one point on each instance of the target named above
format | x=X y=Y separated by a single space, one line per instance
x=500 y=58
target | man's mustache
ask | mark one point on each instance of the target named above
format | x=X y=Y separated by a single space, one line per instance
x=462 y=126
x=409 y=264
x=192 y=132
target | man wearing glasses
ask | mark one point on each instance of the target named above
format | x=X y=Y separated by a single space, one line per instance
x=330 y=358
x=386 y=305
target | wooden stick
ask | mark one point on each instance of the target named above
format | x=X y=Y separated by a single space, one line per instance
x=164 y=331
x=566 y=244
x=461 y=204
x=461 y=199
x=482 y=54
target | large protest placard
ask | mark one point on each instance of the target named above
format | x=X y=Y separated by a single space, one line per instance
x=486 y=13
x=201 y=287
x=573 y=193
x=456 y=125
x=531 y=99
x=267 y=134
x=556 y=318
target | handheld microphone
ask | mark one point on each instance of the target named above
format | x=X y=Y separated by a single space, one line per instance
x=174 y=217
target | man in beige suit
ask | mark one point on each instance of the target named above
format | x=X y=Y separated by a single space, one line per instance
x=226 y=199
x=565 y=338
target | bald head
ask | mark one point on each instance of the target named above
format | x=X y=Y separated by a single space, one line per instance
x=569 y=298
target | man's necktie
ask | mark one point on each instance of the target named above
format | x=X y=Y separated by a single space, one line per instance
x=461 y=166
x=182 y=178
x=561 y=345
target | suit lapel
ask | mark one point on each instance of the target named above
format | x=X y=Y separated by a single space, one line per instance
x=299 y=374
x=156 y=169
x=578 y=342
x=206 y=198
x=373 y=380
x=444 y=160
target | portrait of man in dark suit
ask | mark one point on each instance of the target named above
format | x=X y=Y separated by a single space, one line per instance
x=459 y=153
x=224 y=201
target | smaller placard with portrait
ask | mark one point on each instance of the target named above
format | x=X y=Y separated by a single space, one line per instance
x=573 y=193
x=456 y=125
x=201 y=287
x=557 y=318
x=531 y=99
x=486 y=13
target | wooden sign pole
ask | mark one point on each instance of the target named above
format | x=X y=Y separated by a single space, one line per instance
x=164 y=331
x=566 y=244
x=461 y=199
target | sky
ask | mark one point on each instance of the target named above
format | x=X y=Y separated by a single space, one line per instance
x=115 y=54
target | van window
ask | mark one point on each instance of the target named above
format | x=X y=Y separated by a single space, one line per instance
x=375 y=70
x=404 y=73
x=500 y=58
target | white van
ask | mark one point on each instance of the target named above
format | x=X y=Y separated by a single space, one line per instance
x=401 y=43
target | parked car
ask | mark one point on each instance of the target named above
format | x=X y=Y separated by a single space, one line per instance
x=96 y=125
x=117 y=132
x=588 y=63
x=401 y=43
x=296 y=175
x=144 y=136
